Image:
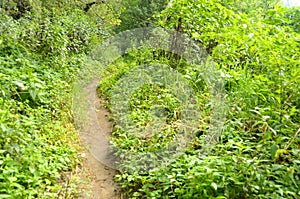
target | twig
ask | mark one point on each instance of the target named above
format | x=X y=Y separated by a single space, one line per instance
x=292 y=140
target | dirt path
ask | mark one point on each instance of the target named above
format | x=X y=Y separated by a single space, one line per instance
x=98 y=161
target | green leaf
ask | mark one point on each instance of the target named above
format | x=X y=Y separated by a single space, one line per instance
x=273 y=150
x=20 y=84
x=5 y=196
x=214 y=185
x=221 y=197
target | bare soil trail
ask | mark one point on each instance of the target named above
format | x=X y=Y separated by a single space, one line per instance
x=101 y=182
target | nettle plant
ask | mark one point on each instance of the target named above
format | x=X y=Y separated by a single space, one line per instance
x=258 y=153
x=33 y=150
x=40 y=54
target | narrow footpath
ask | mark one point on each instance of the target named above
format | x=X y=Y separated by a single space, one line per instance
x=100 y=174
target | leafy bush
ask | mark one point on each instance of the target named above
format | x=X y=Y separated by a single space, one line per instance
x=33 y=151
x=258 y=153
x=40 y=54
x=138 y=13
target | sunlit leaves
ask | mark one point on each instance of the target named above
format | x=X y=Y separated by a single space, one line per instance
x=257 y=49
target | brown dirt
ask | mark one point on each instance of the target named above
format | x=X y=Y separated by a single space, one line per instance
x=102 y=185
x=101 y=177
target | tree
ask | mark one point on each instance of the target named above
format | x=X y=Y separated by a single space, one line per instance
x=138 y=13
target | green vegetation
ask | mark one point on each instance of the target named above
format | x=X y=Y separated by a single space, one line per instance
x=254 y=45
x=258 y=153
x=139 y=13
x=41 y=49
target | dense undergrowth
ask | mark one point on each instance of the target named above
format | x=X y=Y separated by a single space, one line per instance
x=257 y=156
x=255 y=46
x=41 y=50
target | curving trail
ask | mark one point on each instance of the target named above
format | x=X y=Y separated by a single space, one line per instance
x=102 y=183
